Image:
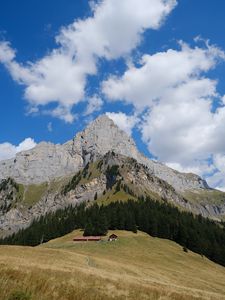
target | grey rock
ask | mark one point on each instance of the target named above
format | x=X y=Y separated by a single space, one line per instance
x=48 y=161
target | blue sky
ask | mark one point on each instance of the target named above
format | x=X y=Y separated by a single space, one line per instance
x=116 y=70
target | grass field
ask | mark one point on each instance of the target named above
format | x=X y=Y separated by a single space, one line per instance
x=136 y=266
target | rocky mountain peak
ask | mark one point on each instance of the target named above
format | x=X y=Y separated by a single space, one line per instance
x=48 y=161
x=101 y=136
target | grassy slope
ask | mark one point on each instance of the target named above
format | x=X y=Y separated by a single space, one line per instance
x=205 y=196
x=135 y=267
x=29 y=195
x=111 y=196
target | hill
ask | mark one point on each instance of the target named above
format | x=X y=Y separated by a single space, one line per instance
x=136 y=266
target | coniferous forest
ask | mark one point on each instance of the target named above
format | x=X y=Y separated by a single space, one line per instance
x=161 y=220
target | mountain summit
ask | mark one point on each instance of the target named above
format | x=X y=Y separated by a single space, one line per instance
x=48 y=161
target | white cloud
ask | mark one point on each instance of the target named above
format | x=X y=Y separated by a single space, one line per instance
x=163 y=73
x=95 y=103
x=27 y=144
x=123 y=121
x=61 y=112
x=8 y=150
x=179 y=131
x=114 y=30
x=116 y=27
x=6 y=53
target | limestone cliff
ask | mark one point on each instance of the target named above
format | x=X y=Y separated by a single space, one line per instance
x=47 y=161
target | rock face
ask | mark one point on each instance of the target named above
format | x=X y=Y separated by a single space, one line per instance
x=42 y=163
x=48 y=161
x=8 y=195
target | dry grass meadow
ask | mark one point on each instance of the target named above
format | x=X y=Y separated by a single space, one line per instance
x=135 y=267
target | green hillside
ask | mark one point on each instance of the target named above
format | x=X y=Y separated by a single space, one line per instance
x=136 y=266
x=205 y=196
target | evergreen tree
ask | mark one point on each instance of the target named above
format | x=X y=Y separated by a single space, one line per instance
x=102 y=227
x=88 y=230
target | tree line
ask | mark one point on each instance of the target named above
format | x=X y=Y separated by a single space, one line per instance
x=161 y=220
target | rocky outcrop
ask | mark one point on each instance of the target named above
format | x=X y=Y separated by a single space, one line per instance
x=48 y=161
x=9 y=195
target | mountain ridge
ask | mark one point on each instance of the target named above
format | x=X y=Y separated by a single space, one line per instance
x=48 y=161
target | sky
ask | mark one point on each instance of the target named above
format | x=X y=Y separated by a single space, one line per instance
x=156 y=67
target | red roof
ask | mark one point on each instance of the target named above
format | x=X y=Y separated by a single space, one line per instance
x=87 y=238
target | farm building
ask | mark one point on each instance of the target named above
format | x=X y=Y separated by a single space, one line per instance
x=112 y=237
x=87 y=239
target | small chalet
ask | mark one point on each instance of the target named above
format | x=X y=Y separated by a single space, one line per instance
x=87 y=239
x=113 y=237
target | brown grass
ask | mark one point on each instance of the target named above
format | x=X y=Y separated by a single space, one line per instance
x=134 y=267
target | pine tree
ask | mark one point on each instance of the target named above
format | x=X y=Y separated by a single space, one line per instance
x=102 y=225
x=88 y=230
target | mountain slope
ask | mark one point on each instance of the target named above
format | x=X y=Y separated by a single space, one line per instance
x=113 y=177
x=104 y=178
x=137 y=266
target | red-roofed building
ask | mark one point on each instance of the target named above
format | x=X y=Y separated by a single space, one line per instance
x=87 y=239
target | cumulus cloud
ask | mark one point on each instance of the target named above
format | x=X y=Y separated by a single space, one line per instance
x=123 y=121
x=113 y=31
x=8 y=150
x=180 y=127
x=116 y=27
x=164 y=73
